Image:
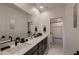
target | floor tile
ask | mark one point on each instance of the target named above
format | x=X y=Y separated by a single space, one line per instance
x=55 y=50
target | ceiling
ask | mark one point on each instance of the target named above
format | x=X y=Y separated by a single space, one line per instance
x=48 y=5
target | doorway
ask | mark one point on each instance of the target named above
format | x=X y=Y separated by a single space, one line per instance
x=56 y=35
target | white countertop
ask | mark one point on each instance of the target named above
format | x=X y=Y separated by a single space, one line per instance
x=21 y=48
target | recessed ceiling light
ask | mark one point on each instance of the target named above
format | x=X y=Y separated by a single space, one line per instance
x=41 y=6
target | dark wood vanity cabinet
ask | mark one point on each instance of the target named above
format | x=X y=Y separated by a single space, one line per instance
x=38 y=49
x=44 y=45
x=36 y=52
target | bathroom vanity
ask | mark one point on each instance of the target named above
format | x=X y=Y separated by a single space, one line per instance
x=39 y=48
x=35 y=46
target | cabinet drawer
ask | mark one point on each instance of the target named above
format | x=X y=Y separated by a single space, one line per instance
x=40 y=52
x=35 y=52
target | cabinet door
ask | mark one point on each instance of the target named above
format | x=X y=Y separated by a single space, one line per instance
x=41 y=48
x=28 y=53
x=35 y=52
x=44 y=45
x=40 y=45
x=40 y=51
x=31 y=51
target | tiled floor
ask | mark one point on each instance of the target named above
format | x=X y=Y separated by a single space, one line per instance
x=55 y=50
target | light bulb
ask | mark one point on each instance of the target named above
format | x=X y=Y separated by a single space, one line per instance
x=41 y=6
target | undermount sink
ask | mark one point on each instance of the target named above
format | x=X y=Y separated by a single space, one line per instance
x=13 y=46
x=19 y=44
x=13 y=49
x=19 y=47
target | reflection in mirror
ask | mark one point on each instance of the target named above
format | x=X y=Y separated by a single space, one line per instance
x=36 y=29
x=44 y=29
x=29 y=28
x=3 y=36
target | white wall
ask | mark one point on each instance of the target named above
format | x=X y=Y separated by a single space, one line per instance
x=35 y=19
x=57 y=12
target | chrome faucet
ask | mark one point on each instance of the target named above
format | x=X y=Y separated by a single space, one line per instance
x=30 y=34
x=17 y=40
x=10 y=37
